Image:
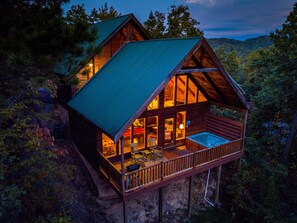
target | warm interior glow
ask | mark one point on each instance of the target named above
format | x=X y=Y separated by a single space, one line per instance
x=154 y=104
x=169 y=92
x=108 y=146
x=181 y=90
x=181 y=126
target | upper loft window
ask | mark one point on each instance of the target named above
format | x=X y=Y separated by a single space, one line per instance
x=201 y=97
x=154 y=104
x=169 y=93
x=192 y=92
x=181 y=89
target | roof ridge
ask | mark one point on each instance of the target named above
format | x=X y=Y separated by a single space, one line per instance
x=109 y=19
x=168 y=39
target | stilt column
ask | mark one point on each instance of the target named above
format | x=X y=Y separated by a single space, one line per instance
x=160 y=205
x=190 y=196
x=219 y=170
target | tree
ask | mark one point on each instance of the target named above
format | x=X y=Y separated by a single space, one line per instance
x=104 y=12
x=179 y=23
x=285 y=42
x=35 y=36
x=155 y=24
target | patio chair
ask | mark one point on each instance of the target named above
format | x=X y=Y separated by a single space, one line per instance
x=136 y=156
x=157 y=150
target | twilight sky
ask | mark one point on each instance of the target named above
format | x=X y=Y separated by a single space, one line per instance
x=238 y=19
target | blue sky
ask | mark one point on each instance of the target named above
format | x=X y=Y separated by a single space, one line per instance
x=238 y=19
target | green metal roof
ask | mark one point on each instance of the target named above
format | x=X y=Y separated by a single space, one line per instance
x=104 y=30
x=106 y=27
x=125 y=84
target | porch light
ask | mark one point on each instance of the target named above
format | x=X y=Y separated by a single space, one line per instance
x=181 y=126
x=90 y=64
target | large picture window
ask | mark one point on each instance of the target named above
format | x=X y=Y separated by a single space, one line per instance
x=181 y=89
x=139 y=133
x=169 y=93
x=108 y=146
x=152 y=128
x=192 y=92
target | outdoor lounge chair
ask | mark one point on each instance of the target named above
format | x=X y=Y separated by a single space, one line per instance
x=136 y=156
x=157 y=150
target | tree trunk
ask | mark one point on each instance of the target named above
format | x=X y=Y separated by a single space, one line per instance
x=292 y=132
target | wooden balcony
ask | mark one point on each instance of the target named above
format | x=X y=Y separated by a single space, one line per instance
x=164 y=172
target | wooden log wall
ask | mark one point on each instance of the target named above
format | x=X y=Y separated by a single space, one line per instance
x=224 y=127
x=84 y=135
x=197 y=115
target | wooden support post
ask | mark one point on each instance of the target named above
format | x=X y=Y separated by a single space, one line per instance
x=244 y=127
x=122 y=165
x=219 y=170
x=190 y=196
x=124 y=212
x=160 y=205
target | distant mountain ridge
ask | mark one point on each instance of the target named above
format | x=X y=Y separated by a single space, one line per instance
x=241 y=47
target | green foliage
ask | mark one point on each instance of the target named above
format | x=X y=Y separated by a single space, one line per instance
x=155 y=24
x=179 y=23
x=242 y=48
x=104 y=12
x=265 y=188
x=35 y=186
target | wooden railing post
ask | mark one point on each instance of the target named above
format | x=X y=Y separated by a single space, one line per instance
x=122 y=165
x=161 y=171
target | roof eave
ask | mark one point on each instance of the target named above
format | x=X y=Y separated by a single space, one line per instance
x=225 y=74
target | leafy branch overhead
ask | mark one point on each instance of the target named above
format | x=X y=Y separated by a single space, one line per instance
x=176 y=23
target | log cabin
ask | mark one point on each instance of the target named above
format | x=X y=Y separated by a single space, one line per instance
x=145 y=119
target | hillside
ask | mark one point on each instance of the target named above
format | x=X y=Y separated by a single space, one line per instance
x=240 y=47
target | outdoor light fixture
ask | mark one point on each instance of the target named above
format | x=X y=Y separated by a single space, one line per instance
x=90 y=64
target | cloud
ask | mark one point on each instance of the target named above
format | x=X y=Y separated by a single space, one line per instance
x=203 y=2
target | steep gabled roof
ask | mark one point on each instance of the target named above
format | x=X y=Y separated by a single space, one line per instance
x=128 y=82
x=106 y=30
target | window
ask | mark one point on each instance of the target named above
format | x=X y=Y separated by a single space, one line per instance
x=127 y=138
x=169 y=92
x=138 y=133
x=201 y=97
x=181 y=90
x=168 y=133
x=152 y=128
x=192 y=92
x=85 y=74
x=181 y=125
x=154 y=104
x=108 y=146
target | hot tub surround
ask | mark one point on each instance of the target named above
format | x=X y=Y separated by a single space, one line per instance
x=204 y=140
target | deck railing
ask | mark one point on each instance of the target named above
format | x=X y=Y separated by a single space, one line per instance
x=110 y=171
x=158 y=172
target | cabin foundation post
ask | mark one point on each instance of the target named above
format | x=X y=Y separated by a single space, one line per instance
x=124 y=212
x=219 y=170
x=123 y=180
x=190 y=196
x=160 y=219
x=122 y=165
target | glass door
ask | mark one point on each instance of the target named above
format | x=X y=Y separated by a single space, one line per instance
x=169 y=134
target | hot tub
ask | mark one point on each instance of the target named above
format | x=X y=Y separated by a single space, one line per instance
x=204 y=140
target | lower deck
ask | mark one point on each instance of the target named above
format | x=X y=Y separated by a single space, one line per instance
x=176 y=163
